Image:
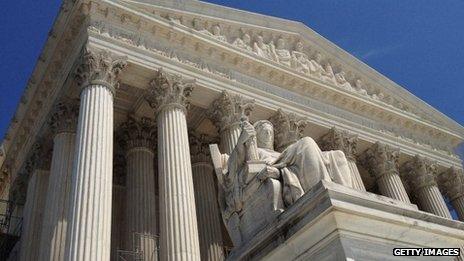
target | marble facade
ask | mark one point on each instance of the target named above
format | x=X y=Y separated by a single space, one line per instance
x=108 y=155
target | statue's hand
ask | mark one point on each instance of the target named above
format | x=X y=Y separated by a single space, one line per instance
x=268 y=172
x=248 y=131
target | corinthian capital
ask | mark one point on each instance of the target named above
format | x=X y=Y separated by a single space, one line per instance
x=337 y=139
x=199 y=147
x=229 y=109
x=419 y=173
x=451 y=183
x=39 y=157
x=100 y=67
x=381 y=159
x=64 y=116
x=138 y=133
x=288 y=128
x=168 y=89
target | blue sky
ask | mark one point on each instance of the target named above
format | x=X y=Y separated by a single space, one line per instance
x=416 y=43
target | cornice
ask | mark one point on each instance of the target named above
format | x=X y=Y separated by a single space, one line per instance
x=143 y=51
x=229 y=17
x=183 y=36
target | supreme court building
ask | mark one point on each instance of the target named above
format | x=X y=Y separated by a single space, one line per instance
x=112 y=155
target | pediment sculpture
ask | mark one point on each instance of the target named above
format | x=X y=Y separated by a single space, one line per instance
x=257 y=183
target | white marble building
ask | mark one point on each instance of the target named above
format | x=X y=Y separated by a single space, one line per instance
x=107 y=156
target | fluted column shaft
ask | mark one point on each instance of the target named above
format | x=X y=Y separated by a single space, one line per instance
x=451 y=184
x=356 y=178
x=421 y=174
x=382 y=163
x=55 y=218
x=118 y=223
x=390 y=185
x=141 y=202
x=458 y=204
x=33 y=215
x=178 y=221
x=431 y=200
x=89 y=230
x=229 y=137
x=209 y=226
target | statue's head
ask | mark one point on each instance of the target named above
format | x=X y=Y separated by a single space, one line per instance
x=264 y=134
x=299 y=46
x=280 y=43
x=246 y=38
x=197 y=24
x=216 y=30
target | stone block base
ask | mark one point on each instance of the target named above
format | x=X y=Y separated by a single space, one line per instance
x=332 y=222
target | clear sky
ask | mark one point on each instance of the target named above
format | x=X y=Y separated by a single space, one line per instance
x=416 y=43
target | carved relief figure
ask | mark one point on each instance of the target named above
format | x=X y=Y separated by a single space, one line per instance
x=300 y=60
x=198 y=25
x=217 y=33
x=316 y=66
x=328 y=74
x=262 y=49
x=342 y=82
x=282 y=54
x=244 y=42
x=359 y=87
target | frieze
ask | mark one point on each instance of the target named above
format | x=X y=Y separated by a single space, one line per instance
x=138 y=40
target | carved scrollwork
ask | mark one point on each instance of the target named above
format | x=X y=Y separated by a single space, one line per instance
x=229 y=109
x=380 y=160
x=337 y=139
x=137 y=133
x=451 y=183
x=199 y=147
x=169 y=89
x=64 y=116
x=288 y=128
x=100 y=67
x=419 y=173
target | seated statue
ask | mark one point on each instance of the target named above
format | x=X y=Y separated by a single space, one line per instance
x=281 y=53
x=256 y=182
x=301 y=165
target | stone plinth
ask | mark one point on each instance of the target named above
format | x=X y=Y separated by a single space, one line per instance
x=332 y=222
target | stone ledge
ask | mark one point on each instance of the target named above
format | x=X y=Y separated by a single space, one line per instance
x=330 y=212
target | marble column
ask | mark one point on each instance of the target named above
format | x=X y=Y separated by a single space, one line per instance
x=382 y=162
x=138 y=139
x=37 y=170
x=341 y=140
x=63 y=124
x=451 y=183
x=421 y=175
x=226 y=112
x=168 y=95
x=89 y=228
x=209 y=219
x=118 y=208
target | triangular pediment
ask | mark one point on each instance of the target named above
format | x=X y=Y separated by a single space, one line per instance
x=234 y=24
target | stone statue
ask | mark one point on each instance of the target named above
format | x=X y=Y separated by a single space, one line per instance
x=262 y=49
x=342 y=82
x=359 y=87
x=197 y=25
x=300 y=60
x=217 y=33
x=244 y=42
x=328 y=74
x=316 y=66
x=301 y=165
x=281 y=53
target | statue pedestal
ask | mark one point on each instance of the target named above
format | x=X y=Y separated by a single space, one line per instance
x=333 y=222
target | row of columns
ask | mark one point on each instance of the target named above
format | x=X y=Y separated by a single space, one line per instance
x=79 y=213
